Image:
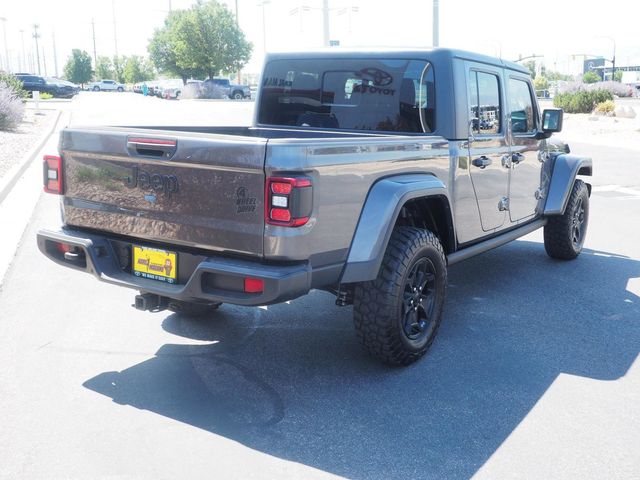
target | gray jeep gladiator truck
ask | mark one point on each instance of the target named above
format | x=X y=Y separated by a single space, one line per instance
x=365 y=174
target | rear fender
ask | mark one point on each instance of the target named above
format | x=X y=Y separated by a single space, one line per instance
x=382 y=207
x=565 y=169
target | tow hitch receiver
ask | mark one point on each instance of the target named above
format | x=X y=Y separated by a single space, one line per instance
x=150 y=302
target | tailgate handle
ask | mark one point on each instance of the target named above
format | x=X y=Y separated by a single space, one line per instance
x=151 y=147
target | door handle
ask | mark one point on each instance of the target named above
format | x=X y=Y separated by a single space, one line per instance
x=482 y=162
x=517 y=158
x=151 y=147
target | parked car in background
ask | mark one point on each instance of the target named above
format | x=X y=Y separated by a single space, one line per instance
x=175 y=89
x=106 y=85
x=152 y=87
x=61 y=88
x=223 y=88
x=53 y=86
x=32 y=83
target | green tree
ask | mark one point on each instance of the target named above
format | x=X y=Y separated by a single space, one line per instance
x=163 y=49
x=617 y=77
x=119 y=62
x=591 y=77
x=540 y=83
x=78 y=67
x=104 y=69
x=137 y=69
x=208 y=38
x=554 y=76
x=531 y=65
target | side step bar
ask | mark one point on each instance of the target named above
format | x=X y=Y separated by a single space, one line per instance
x=495 y=242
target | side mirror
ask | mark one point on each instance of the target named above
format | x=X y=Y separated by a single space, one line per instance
x=552 y=120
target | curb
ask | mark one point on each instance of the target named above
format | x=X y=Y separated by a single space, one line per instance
x=8 y=181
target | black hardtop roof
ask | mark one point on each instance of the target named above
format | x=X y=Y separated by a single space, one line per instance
x=436 y=55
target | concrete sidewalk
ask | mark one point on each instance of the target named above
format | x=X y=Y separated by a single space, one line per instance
x=20 y=190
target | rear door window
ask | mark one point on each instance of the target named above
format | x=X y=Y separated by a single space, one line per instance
x=484 y=103
x=359 y=94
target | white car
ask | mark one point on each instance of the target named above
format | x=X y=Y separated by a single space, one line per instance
x=176 y=89
x=106 y=85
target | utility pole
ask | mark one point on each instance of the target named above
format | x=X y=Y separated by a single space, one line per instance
x=436 y=23
x=6 y=49
x=264 y=25
x=95 y=57
x=36 y=36
x=24 y=55
x=55 y=54
x=115 y=33
x=44 y=62
x=325 y=22
x=239 y=79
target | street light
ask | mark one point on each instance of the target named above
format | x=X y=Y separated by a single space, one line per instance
x=6 y=49
x=264 y=24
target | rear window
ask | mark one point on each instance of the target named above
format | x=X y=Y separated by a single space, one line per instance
x=380 y=95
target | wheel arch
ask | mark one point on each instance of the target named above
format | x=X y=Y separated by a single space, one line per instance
x=566 y=168
x=411 y=200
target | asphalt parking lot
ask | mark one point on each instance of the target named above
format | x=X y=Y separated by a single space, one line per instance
x=534 y=374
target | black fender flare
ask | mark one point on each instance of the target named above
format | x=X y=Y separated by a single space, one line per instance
x=565 y=169
x=378 y=217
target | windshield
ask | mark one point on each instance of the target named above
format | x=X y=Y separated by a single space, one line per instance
x=352 y=94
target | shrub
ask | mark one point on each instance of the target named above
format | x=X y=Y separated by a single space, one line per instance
x=606 y=107
x=11 y=107
x=582 y=101
x=13 y=83
x=45 y=96
x=591 y=77
x=616 y=88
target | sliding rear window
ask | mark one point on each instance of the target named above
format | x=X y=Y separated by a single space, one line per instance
x=349 y=94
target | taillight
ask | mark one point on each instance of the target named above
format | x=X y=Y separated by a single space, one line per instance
x=288 y=201
x=52 y=174
x=253 y=285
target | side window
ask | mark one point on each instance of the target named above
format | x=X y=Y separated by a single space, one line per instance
x=521 y=107
x=484 y=103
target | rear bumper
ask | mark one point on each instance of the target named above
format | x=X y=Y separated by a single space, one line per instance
x=214 y=279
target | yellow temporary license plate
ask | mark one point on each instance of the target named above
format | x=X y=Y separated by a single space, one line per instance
x=155 y=264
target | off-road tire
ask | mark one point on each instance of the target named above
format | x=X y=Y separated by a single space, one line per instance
x=238 y=96
x=120 y=89
x=96 y=89
x=381 y=307
x=564 y=234
x=190 y=309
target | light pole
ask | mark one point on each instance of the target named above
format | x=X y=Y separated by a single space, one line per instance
x=24 y=55
x=36 y=36
x=436 y=23
x=6 y=49
x=613 y=60
x=264 y=24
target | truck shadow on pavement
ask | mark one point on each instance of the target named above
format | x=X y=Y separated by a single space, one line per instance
x=291 y=381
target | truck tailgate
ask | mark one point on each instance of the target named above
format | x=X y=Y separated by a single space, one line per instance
x=197 y=190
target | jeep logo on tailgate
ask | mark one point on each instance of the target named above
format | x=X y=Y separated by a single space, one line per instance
x=166 y=184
